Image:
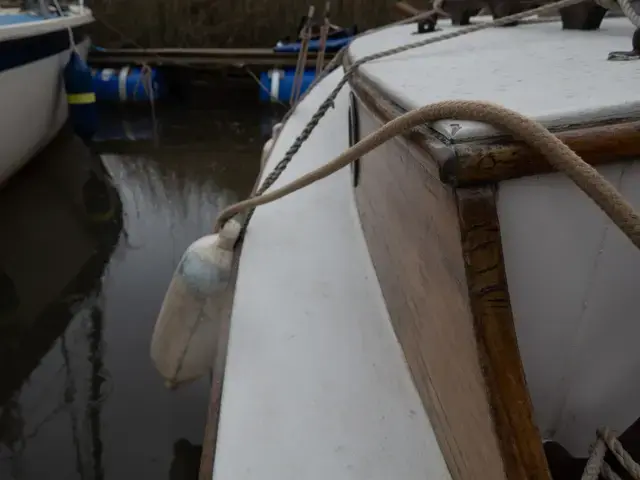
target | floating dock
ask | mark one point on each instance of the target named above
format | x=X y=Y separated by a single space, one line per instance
x=264 y=58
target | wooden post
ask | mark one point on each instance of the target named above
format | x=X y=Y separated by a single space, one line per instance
x=324 y=33
x=302 y=57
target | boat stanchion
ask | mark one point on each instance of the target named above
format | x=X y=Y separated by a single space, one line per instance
x=81 y=97
x=184 y=340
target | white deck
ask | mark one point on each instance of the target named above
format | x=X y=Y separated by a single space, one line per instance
x=316 y=385
x=559 y=77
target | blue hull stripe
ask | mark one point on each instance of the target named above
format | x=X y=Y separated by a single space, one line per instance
x=22 y=51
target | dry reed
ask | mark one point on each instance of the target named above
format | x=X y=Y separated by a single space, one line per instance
x=221 y=23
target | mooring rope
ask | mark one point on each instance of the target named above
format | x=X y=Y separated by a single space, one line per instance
x=596 y=464
x=338 y=58
x=72 y=42
x=328 y=102
x=336 y=61
x=629 y=12
x=146 y=80
x=263 y=87
x=529 y=131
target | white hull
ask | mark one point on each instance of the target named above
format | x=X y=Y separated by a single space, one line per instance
x=317 y=382
x=33 y=100
x=590 y=327
x=316 y=385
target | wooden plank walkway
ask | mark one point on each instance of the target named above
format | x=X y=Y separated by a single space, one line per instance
x=204 y=57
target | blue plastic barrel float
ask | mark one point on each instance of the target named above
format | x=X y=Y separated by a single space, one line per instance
x=128 y=84
x=332 y=45
x=279 y=83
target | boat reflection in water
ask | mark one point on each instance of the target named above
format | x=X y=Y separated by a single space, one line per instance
x=61 y=219
x=79 y=396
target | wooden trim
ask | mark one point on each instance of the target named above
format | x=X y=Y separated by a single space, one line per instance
x=409 y=220
x=500 y=359
x=385 y=111
x=459 y=263
x=476 y=164
x=482 y=164
x=217 y=378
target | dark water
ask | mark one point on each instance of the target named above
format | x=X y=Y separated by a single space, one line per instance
x=89 y=241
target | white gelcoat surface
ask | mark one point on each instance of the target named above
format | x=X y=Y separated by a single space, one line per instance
x=316 y=385
x=32 y=96
x=559 y=77
x=574 y=284
x=27 y=29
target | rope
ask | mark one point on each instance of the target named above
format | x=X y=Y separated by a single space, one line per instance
x=596 y=464
x=334 y=63
x=608 y=4
x=629 y=12
x=625 y=6
x=146 y=81
x=72 y=42
x=531 y=132
x=328 y=102
x=438 y=8
x=263 y=87
x=337 y=60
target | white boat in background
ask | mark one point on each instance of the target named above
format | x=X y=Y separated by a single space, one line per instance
x=450 y=307
x=34 y=49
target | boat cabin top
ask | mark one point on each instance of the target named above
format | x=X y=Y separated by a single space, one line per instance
x=562 y=78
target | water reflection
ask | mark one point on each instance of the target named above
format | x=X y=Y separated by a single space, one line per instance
x=61 y=219
x=206 y=159
x=89 y=243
